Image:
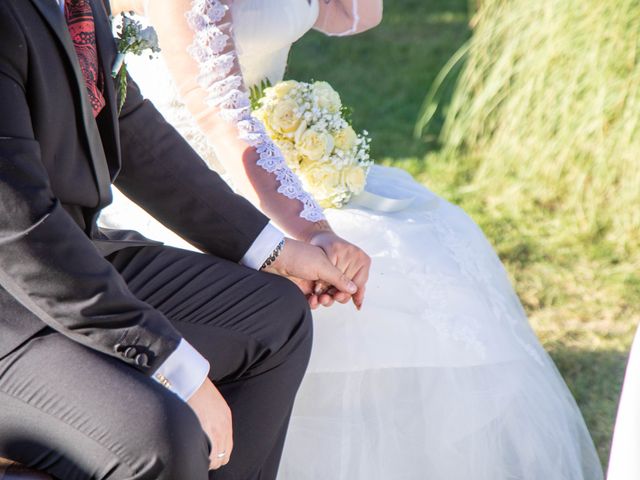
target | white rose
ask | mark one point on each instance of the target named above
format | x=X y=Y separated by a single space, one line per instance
x=149 y=36
x=322 y=181
x=326 y=97
x=289 y=153
x=355 y=178
x=263 y=116
x=283 y=117
x=281 y=89
x=345 y=139
x=300 y=131
x=315 y=145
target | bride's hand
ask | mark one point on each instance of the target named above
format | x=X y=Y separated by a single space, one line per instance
x=349 y=259
x=306 y=265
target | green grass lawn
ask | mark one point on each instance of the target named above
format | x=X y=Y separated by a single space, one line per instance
x=581 y=292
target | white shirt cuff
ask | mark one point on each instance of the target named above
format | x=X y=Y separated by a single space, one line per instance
x=184 y=371
x=262 y=247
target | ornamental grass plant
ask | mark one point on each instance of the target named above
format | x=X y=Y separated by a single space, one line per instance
x=548 y=101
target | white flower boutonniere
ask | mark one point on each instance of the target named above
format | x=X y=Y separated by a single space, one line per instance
x=131 y=38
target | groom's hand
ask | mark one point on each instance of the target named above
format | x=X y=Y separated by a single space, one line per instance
x=305 y=265
x=215 y=418
x=350 y=259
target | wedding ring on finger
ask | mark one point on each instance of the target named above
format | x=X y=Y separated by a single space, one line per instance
x=320 y=288
x=221 y=455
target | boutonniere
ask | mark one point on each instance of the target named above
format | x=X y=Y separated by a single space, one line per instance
x=131 y=38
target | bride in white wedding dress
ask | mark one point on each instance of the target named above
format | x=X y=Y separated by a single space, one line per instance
x=439 y=376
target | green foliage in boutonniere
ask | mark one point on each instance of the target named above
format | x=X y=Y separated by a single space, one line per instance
x=131 y=38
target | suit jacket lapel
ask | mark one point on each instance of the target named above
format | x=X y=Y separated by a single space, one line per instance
x=51 y=13
x=107 y=52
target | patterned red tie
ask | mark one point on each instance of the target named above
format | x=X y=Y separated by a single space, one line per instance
x=79 y=18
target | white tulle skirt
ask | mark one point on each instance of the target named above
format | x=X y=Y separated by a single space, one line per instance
x=440 y=376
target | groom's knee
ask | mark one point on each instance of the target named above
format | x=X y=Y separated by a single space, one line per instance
x=295 y=317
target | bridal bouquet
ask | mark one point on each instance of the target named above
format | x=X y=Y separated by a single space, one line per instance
x=309 y=124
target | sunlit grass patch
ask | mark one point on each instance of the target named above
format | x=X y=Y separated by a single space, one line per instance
x=549 y=98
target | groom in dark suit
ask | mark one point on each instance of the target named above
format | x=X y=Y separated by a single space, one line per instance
x=111 y=344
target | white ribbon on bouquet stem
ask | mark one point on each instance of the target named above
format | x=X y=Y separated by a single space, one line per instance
x=380 y=203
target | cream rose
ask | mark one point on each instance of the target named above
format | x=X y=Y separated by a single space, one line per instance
x=326 y=97
x=289 y=153
x=300 y=131
x=315 y=145
x=283 y=117
x=355 y=178
x=345 y=139
x=263 y=117
x=322 y=180
x=281 y=89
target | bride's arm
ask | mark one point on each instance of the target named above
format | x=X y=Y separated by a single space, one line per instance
x=197 y=45
x=348 y=17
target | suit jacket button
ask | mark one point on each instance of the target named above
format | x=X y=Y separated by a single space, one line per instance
x=142 y=360
x=118 y=347
x=130 y=352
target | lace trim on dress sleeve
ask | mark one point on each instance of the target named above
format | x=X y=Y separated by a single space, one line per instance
x=213 y=51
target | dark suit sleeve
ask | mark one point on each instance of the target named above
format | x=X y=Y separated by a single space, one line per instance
x=47 y=263
x=164 y=175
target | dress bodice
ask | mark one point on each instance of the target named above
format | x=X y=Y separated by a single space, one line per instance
x=264 y=32
x=263 y=37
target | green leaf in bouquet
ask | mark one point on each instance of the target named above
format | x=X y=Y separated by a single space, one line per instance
x=347 y=114
x=256 y=93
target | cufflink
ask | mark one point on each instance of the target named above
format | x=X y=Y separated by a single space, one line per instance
x=164 y=381
x=142 y=360
x=130 y=352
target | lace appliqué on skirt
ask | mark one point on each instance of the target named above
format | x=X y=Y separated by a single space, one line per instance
x=480 y=270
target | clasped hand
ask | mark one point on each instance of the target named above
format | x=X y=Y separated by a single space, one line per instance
x=327 y=269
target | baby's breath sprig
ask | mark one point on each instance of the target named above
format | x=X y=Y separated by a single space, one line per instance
x=131 y=38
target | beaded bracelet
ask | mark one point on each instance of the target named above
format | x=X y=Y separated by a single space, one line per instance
x=272 y=258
